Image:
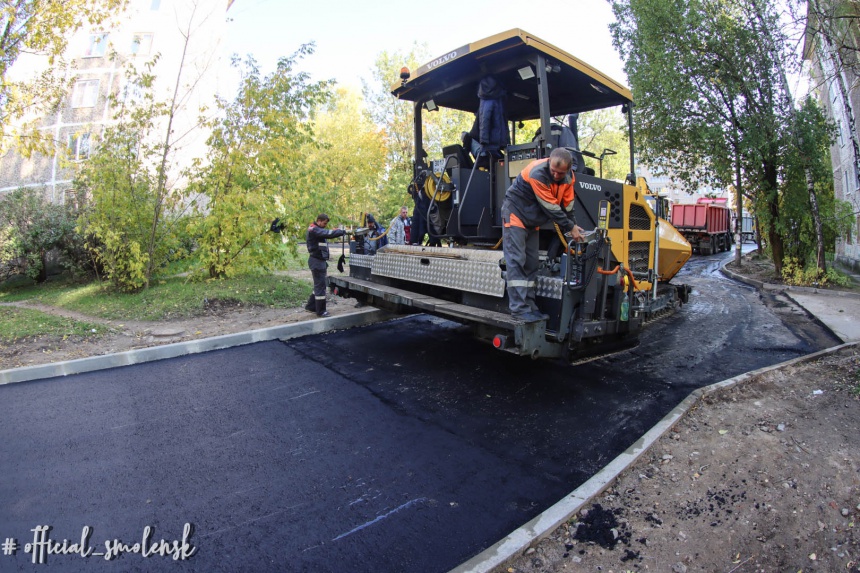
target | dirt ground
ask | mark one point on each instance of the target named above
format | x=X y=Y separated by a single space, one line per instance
x=764 y=477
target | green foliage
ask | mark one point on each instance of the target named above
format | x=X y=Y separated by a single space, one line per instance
x=606 y=129
x=259 y=169
x=796 y=273
x=39 y=28
x=30 y=227
x=351 y=154
x=132 y=213
x=18 y=323
x=166 y=298
x=122 y=203
x=390 y=114
x=810 y=153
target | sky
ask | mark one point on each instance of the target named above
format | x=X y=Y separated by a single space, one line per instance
x=350 y=34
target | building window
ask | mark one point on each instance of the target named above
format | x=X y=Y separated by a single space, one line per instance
x=156 y=4
x=85 y=94
x=132 y=94
x=97 y=46
x=79 y=146
x=141 y=44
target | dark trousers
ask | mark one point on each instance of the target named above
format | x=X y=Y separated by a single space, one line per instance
x=521 y=261
x=419 y=226
x=319 y=269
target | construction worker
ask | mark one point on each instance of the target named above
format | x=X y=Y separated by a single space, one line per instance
x=318 y=255
x=376 y=238
x=541 y=193
x=397 y=228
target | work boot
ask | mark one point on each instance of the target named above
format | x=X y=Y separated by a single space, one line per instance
x=320 y=307
x=310 y=306
x=536 y=311
x=530 y=316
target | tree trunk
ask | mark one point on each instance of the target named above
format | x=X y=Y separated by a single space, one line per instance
x=43 y=272
x=771 y=184
x=816 y=219
x=757 y=236
x=739 y=223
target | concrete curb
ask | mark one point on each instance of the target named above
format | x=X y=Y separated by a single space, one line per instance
x=519 y=540
x=141 y=355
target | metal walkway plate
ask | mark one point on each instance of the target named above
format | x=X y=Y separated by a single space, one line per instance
x=429 y=304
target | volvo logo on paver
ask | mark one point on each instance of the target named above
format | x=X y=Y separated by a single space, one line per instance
x=591 y=186
x=450 y=56
x=439 y=61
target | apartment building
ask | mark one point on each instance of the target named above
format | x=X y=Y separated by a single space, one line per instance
x=185 y=35
x=838 y=90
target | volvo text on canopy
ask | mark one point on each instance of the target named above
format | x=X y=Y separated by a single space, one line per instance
x=598 y=293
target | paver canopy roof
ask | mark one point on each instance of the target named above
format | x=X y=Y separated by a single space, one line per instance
x=451 y=80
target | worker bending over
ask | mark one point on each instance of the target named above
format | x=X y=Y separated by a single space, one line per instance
x=541 y=193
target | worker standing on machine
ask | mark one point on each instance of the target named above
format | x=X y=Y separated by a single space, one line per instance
x=541 y=193
x=318 y=255
x=376 y=238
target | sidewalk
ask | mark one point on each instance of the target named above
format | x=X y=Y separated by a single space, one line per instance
x=838 y=311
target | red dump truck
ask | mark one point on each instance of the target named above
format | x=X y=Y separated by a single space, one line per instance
x=706 y=225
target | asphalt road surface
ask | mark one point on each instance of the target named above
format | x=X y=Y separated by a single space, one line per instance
x=402 y=446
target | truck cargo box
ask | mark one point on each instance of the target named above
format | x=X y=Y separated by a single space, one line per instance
x=701 y=217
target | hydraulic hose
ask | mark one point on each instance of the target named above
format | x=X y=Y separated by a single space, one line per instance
x=632 y=280
x=379 y=236
x=561 y=237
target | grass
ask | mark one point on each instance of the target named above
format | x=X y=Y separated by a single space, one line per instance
x=169 y=296
x=855 y=388
x=166 y=298
x=17 y=323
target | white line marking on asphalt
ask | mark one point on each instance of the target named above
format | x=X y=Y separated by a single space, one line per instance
x=380 y=517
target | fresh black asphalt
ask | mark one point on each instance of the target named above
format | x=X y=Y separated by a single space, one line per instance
x=402 y=446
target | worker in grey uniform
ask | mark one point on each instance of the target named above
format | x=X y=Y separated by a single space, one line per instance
x=541 y=193
x=318 y=255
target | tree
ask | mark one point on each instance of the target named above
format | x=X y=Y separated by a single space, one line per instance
x=133 y=208
x=711 y=103
x=351 y=151
x=809 y=185
x=124 y=214
x=606 y=129
x=39 y=28
x=259 y=169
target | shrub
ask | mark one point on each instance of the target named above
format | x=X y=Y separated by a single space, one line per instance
x=31 y=227
x=795 y=274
